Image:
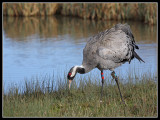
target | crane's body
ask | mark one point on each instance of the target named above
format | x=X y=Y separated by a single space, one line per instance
x=107 y=50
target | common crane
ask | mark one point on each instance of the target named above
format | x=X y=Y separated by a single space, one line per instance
x=106 y=51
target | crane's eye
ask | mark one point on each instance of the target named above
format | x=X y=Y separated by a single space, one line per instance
x=69 y=74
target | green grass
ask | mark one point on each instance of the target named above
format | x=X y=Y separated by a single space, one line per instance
x=43 y=99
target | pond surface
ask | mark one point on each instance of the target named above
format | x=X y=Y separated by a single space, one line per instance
x=36 y=46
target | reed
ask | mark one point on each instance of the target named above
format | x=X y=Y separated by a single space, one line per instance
x=49 y=97
x=146 y=12
x=29 y=9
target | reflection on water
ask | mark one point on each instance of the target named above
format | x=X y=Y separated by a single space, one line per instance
x=20 y=28
x=38 y=45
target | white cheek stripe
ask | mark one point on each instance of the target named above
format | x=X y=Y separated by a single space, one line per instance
x=74 y=71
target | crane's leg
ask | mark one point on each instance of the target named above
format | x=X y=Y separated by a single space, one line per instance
x=102 y=76
x=116 y=79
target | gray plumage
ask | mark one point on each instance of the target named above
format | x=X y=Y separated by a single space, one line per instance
x=110 y=49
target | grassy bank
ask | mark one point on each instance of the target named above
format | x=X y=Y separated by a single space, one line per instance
x=42 y=99
x=146 y=12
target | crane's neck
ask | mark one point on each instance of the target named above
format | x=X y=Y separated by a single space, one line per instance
x=75 y=69
x=80 y=69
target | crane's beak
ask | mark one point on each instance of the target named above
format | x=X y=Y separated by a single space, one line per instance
x=70 y=83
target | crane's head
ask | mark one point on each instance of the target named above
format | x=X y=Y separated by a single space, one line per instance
x=73 y=71
x=71 y=74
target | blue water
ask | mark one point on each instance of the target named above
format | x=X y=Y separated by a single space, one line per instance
x=30 y=51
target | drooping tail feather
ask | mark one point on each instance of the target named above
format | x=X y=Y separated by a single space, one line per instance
x=136 y=46
x=137 y=56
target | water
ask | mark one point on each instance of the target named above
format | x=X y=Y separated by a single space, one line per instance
x=36 y=46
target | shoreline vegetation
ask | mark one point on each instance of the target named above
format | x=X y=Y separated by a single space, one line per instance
x=145 y=12
x=43 y=99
